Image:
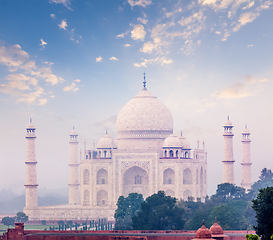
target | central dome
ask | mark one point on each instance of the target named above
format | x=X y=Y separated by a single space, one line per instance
x=144 y=117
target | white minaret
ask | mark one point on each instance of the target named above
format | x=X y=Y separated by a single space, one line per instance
x=31 y=178
x=228 y=162
x=74 y=196
x=246 y=164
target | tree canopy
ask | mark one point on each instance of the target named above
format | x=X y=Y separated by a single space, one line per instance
x=127 y=209
x=263 y=206
x=21 y=217
x=159 y=212
x=8 y=221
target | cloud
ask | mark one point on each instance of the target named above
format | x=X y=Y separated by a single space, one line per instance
x=127 y=45
x=77 y=80
x=248 y=88
x=72 y=88
x=142 y=20
x=113 y=58
x=23 y=82
x=66 y=3
x=138 y=33
x=250 y=45
x=159 y=60
x=142 y=3
x=53 y=15
x=63 y=24
x=148 y=47
x=120 y=35
x=251 y=4
x=42 y=42
x=42 y=101
x=99 y=59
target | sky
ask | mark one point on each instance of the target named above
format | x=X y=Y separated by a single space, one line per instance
x=68 y=63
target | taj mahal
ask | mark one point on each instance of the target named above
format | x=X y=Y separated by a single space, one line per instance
x=145 y=157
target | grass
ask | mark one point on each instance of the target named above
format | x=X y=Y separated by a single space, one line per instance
x=30 y=227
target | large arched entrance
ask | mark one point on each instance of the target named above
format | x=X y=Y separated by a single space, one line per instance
x=136 y=180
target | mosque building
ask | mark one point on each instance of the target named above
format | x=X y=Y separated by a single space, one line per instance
x=145 y=157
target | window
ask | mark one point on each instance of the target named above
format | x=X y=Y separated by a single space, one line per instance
x=138 y=179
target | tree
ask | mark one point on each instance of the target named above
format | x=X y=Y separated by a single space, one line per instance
x=159 y=212
x=263 y=206
x=8 y=221
x=43 y=222
x=61 y=223
x=230 y=191
x=21 y=217
x=127 y=209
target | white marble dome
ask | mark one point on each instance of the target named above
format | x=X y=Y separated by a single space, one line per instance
x=172 y=141
x=185 y=143
x=144 y=116
x=106 y=142
x=30 y=126
x=228 y=123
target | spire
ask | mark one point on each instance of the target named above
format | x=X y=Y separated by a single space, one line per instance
x=181 y=133
x=144 y=82
x=106 y=131
x=227 y=117
x=30 y=120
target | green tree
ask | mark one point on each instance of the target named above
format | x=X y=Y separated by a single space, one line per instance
x=43 y=222
x=263 y=206
x=265 y=180
x=69 y=223
x=127 y=209
x=8 y=221
x=230 y=191
x=61 y=223
x=21 y=217
x=159 y=212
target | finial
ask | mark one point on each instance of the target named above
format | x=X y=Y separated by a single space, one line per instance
x=30 y=120
x=227 y=117
x=181 y=133
x=144 y=82
x=215 y=219
x=203 y=222
x=106 y=131
x=73 y=127
x=246 y=126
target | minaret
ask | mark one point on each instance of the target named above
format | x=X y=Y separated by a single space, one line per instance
x=31 y=178
x=246 y=164
x=74 y=197
x=228 y=162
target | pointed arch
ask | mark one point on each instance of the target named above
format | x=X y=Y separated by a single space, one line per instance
x=86 y=177
x=102 y=198
x=102 y=176
x=187 y=176
x=168 y=176
x=86 y=198
x=187 y=193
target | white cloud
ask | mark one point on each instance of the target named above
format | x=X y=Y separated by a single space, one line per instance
x=72 y=87
x=142 y=3
x=251 y=4
x=148 y=47
x=138 y=33
x=43 y=43
x=23 y=83
x=218 y=32
x=250 y=45
x=66 y=3
x=77 y=80
x=63 y=24
x=113 y=58
x=127 y=45
x=159 y=60
x=99 y=59
x=120 y=35
x=53 y=15
x=142 y=20
x=42 y=101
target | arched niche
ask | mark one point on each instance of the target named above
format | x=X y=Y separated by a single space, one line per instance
x=170 y=192
x=102 y=198
x=86 y=177
x=171 y=154
x=135 y=179
x=187 y=193
x=201 y=182
x=102 y=176
x=187 y=176
x=86 y=198
x=168 y=176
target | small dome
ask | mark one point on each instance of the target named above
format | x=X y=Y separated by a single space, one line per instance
x=203 y=233
x=228 y=122
x=246 y=131
x=73 y=132
x=30 y=124
x=217 y=230
x=106 y=142
x=172 y=141
x=185 y=143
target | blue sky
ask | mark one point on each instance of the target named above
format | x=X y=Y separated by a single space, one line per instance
x=76 y=63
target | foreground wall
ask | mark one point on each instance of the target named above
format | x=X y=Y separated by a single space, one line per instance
x=20 y=234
